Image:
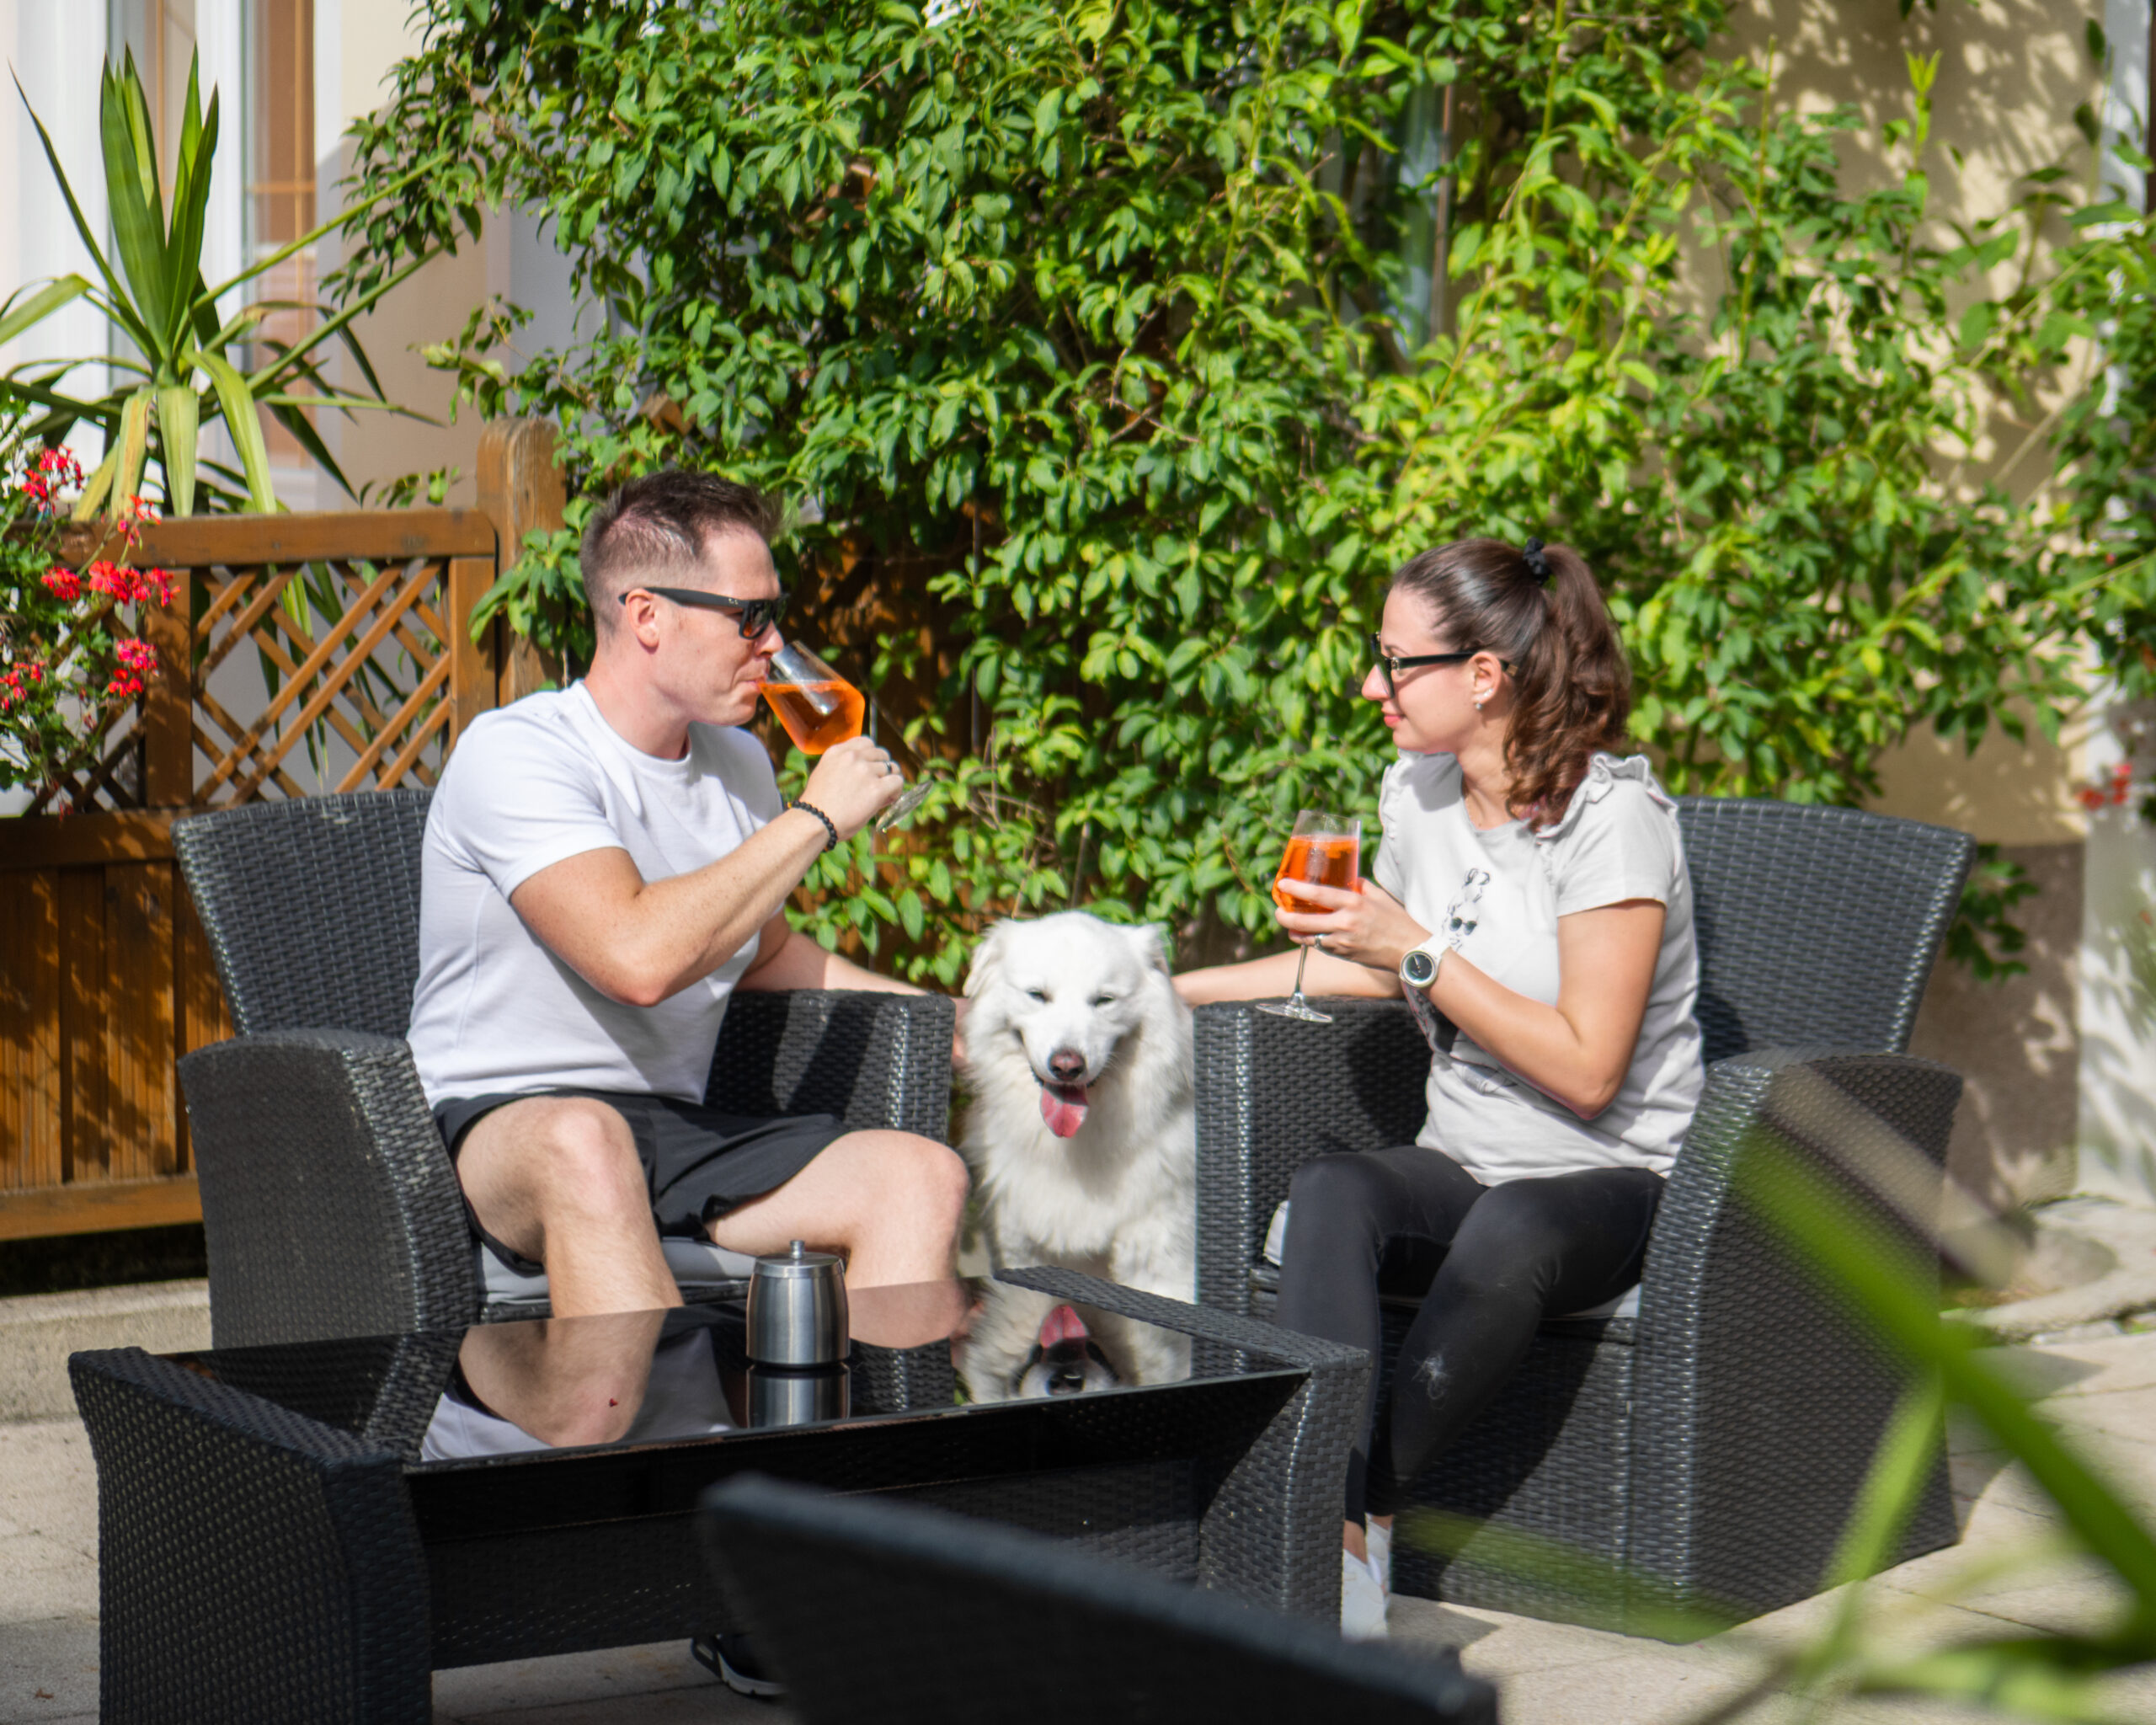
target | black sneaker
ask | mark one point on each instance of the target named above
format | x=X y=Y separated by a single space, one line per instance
x=731 y=1659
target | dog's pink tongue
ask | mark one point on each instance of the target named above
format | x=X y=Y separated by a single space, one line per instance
x=1063 y=1106
x=1062 y=1325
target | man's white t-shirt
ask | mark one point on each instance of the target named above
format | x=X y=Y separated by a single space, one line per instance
x=1495 y=897
x=546 y=779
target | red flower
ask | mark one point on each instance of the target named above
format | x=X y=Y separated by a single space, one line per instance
x=124 y=683
x=63 y=583
x=154 y=583
x=2089 y=797
x=116 y=580
x=55 y=468
x=136 y=655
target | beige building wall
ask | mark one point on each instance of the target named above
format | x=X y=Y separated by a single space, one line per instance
x=2011 y=74
x=358 y=46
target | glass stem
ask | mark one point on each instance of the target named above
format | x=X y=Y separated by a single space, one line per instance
x=1300 y=964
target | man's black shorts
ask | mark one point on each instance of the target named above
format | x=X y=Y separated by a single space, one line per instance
x=699 y=1162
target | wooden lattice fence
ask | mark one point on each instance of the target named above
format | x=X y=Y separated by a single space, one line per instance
x=322 y=653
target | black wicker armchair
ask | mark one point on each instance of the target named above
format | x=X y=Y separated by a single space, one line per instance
x=1708 y=1449
x=888 y=1610
x=330 y=1207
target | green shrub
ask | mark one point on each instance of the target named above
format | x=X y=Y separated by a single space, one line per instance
x=1086 y=330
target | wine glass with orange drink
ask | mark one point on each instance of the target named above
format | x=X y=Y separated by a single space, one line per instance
x=1326 y=849
x=820 y=709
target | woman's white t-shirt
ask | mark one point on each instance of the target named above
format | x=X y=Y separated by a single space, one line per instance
x=1495 y=898
x=495 y=1011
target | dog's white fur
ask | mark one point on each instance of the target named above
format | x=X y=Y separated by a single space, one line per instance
x=1118 y=1197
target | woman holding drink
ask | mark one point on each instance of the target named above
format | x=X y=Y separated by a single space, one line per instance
x=1530 y=899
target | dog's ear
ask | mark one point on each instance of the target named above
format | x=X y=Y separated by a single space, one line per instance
x=1149 y=941
x=988 y=956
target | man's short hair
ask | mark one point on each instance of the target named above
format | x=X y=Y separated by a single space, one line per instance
x=655 y=528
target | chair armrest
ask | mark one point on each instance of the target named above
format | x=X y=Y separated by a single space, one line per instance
x=1748 y=1368
x=1272 y=1530
x=1871 y=1123
x=1271 y=1094
x=329 y=1205
x=873 y=1059
x=252 y=1563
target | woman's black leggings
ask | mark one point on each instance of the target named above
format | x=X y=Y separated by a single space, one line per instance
x=1488 y=1261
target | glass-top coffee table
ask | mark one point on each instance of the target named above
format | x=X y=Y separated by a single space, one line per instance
x=305 y=1531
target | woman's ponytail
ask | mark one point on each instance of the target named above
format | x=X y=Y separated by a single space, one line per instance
x=1538 y=607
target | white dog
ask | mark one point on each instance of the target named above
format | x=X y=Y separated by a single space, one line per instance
x=1081 y=1133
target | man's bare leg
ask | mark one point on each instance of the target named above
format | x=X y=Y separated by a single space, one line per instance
x=890 y=1201
x=579 y=1383
x=558 y=1178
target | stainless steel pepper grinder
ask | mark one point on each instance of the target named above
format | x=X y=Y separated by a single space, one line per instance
x=797 y=1309
x=798 y=1337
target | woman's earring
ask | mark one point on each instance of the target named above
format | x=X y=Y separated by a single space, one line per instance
x=1478 y=703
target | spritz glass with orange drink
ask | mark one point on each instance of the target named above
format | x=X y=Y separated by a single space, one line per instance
x=1326 y=849
x=820 y=709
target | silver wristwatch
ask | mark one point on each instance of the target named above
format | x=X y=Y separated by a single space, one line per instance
x=1418 y=965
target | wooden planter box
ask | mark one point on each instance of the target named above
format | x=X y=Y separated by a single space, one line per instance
x=105 y=976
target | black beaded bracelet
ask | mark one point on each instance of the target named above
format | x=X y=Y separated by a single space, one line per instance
x=830 y=843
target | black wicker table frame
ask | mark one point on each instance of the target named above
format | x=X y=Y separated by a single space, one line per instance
x=256 y=1562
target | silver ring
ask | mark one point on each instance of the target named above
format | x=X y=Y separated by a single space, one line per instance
x=1318 y=943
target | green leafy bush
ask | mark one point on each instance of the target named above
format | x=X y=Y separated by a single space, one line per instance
x=1088 y=331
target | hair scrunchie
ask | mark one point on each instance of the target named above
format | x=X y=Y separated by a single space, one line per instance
x=1538 y=565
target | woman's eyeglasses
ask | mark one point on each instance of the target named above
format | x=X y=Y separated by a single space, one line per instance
x=1392 y=665
x=756 y=614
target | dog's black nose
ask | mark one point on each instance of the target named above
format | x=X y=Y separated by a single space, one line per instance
x=1067 y=1064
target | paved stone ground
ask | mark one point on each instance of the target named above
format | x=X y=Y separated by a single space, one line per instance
x=2103 y=1391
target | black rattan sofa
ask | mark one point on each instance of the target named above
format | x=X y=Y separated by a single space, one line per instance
x=1703 y=1454
x=947 y=1618
x=330 y=1207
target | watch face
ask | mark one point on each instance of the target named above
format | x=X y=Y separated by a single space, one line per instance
x=1418 y=967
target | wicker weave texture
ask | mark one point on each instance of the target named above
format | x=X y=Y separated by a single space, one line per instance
x=1817 y=927
x=873 y=1059
x=1755 y=1373
x=1273 y=1528
x=387 y=1390
x=330 y=1205
x=311 y=906
x=252 y=1565
x=943 y=1619
x=1272 y=1093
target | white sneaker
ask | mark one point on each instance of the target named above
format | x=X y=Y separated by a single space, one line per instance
x=1362 y=1600
x=1380 y=1541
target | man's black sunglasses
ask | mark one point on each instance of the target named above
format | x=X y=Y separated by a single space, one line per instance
x=756 y=615
x=1392 y=666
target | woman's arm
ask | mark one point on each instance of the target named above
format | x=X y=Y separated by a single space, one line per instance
x=1336 y=969
x=1263 y=979
x=1579 y=1051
